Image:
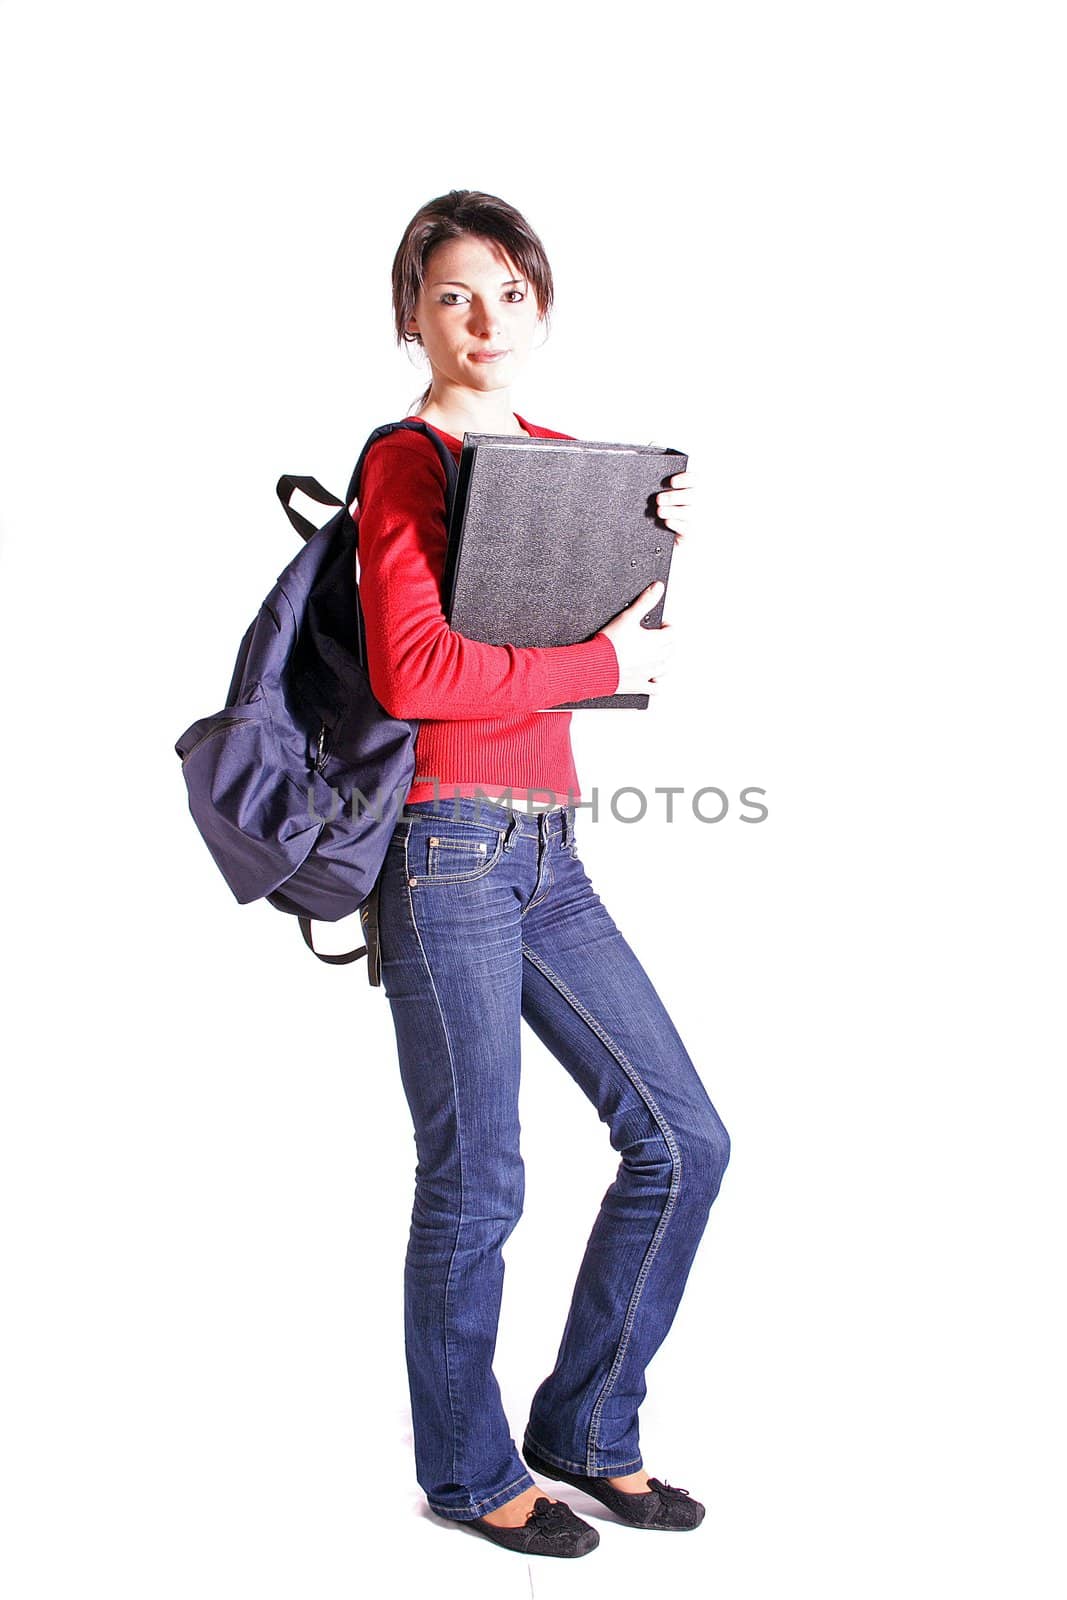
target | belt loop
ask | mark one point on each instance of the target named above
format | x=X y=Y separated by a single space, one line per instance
x=510 y=832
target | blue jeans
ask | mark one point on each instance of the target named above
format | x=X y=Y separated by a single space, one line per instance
x=486 y=916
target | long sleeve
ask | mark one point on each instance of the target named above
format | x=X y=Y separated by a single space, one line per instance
x=418 y=666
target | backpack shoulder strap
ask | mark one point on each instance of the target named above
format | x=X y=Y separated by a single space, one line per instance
x=414 y=425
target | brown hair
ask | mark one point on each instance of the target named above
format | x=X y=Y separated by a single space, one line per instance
x=449 y=216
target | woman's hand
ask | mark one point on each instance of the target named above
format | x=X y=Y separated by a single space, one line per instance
x=643 y=653
x=675 y=506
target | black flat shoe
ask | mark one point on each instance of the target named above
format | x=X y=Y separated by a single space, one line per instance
x=660 y=1506
x=551 y=1529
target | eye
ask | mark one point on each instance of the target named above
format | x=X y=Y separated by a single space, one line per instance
x=519 y=292
x=449 y=296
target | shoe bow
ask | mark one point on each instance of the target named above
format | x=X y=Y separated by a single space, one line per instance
x=667 y=1489
x=551 y=1516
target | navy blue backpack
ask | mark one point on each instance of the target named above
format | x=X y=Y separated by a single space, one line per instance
x=297 y=782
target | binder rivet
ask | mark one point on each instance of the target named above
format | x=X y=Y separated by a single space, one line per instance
x=435 y=841
x=413 y=881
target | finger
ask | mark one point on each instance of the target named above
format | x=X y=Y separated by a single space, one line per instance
x=679 y=514
x=668 y=506
x=680 y=524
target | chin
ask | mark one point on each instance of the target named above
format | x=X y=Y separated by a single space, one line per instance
x=493 y=377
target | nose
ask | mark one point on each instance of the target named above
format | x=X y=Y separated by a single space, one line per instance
x=485 y=318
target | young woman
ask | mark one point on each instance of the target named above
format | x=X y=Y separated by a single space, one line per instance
x=486 y=917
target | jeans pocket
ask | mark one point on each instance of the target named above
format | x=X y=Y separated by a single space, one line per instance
x=450 y=852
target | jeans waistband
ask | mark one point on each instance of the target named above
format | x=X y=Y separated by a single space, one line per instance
x=472 y=808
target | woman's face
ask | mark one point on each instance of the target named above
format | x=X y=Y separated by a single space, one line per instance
x=474 y=301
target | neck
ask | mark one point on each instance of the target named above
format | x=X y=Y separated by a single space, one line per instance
x=457 y=410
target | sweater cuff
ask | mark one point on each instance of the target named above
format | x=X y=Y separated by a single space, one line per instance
x=608 y=664
x=580 y=671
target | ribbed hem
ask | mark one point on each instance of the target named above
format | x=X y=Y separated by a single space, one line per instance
x=541 y=796
x=529 y=754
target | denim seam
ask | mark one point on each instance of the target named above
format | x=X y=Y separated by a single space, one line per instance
x=490 y=1503
x=460 y=822
x=550 y=879
x=654 y=1243
x=459 y=1141
x=615 y=1471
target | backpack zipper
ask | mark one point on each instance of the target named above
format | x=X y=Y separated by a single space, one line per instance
x=231 y=722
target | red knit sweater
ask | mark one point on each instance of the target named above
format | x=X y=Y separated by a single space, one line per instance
x=480 y=707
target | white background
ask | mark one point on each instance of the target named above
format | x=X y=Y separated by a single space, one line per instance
x=819 y=247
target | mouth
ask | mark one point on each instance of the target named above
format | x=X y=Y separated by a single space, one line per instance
x=490 y=355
